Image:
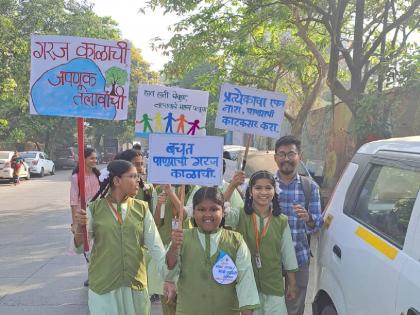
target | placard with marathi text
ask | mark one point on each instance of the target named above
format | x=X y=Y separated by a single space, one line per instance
x=182 y=159
x=79 y=77
x=250 y=110
x=170 y=110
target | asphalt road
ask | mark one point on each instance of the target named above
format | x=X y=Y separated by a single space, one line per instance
x=37 y=274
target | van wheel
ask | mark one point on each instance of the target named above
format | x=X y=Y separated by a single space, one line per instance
x=41 y=174
x=328 y=309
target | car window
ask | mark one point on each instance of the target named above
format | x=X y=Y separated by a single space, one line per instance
x=65 y=153
x=29 y=155
x=386 y=201
x=4 y=155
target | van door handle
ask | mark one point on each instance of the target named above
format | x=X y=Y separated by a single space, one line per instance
x=413 y=311
x=337 y=251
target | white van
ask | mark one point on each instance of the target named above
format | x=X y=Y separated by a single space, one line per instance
x=368 y=256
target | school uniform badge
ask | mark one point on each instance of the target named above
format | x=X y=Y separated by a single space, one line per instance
x=224 y=270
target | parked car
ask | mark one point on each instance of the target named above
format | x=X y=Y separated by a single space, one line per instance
x=65 y=158
x=232 y=152
x=368 y=257
x=6 y=170
x=38 y=162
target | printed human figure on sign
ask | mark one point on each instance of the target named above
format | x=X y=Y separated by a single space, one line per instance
x=169 y=120
x=158 y=122
x=181 y=123
x=146 y=123
x=194 y=127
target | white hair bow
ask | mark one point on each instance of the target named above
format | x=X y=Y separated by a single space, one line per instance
x=104 y=175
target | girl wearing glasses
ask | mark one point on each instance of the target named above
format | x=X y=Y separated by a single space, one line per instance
x=146 y=191
x=121 y=227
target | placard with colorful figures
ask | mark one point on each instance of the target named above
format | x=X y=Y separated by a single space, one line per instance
x=170 y=110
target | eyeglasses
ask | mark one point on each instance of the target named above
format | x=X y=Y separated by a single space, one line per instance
x=282 y=155
x=133 y=176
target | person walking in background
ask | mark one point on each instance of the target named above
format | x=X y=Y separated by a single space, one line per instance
x=91 y=182
x=121 y=228
x=303 y=211
x=17 y=164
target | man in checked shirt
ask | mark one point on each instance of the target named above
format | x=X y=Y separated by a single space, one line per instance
x=301 y=221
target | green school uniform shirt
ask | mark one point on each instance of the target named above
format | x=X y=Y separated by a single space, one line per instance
x=198 y=292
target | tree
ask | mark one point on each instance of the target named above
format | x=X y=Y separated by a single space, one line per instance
x=19 y=19
x=264 y=47
x=114 y=76
x=365 y=36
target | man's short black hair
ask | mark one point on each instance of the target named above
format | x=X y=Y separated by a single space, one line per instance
x=287 y=140
x=137 y=146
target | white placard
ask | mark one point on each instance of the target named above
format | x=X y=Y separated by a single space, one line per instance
x=79 y=77
x=170 y=110
x=250 y=110
x=182 y=159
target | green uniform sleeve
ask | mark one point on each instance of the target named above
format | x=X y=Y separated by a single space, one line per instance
x=154 y=244
x=246 y=289
x=288 y=251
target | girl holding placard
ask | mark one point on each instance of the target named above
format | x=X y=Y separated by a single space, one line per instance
x=266 y=232
x=214 y=265
x=121 y=227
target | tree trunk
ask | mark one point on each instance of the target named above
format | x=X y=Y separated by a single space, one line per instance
x=112 y=89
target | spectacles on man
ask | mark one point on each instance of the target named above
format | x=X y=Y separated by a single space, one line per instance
x=282 y=155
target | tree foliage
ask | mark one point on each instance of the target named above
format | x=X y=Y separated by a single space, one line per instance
x=262 y=47
x=20 y=19
x=365 y=40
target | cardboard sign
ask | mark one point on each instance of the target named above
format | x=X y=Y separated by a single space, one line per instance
x=250 y=110
x=79 y=77
x=182 y=159
x=170 y=110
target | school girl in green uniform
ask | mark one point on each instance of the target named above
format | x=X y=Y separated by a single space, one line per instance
x=167 y=208
x=213 y=264
x=121 y=227
x=266 y=232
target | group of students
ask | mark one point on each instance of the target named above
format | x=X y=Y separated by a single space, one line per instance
x=228 y=255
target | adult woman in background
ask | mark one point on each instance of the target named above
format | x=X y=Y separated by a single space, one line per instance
x=91 y=182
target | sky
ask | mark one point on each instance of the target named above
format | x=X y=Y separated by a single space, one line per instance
x=139 y=28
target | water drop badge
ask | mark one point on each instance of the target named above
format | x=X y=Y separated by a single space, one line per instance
x=224 y=269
